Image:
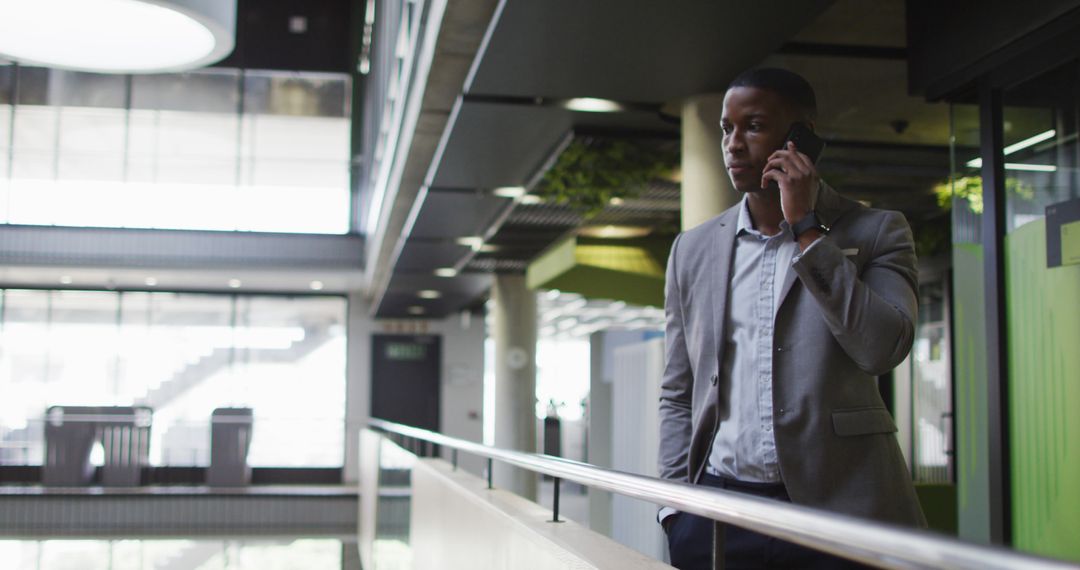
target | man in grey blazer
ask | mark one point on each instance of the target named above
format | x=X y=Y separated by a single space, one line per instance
x=781 y=312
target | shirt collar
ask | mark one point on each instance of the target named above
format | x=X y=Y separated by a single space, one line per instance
x=745 y=223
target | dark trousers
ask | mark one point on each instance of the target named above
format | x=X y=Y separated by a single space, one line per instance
x=690 y=538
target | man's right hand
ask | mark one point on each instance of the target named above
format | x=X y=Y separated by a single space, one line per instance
x=668 y=522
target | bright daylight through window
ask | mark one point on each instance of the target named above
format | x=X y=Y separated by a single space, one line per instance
x=216 y=149
x=183 y=356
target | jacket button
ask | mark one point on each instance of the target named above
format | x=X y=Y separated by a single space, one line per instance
x=714 y=379
x=780 y=411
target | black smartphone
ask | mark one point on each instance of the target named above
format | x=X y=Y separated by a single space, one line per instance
x=805 y=141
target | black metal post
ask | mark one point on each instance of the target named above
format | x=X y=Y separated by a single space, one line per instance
x=430 y=449
x=555 y=501
x=992 y=144
x=490 y=486
x=453 y=456
x=718 y=545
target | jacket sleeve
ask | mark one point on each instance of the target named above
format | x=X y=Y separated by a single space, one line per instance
x=871 y=315
x=677 y=383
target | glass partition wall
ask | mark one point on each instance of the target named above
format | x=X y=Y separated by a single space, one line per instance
x=1041 y=123
x=1016 y=317
x=183 y=355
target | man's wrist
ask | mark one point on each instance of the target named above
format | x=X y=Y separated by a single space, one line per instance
x=665 y=514
x=808 y=229
x=796 y=217
x=668 y=519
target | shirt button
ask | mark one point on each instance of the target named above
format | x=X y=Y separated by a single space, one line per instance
x=714 y=379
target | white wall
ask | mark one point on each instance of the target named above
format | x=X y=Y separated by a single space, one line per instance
x=462 y=371
x=602 y=375
x=636 y=441
x=462 y=412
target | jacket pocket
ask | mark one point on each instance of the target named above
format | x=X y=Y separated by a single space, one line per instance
x=862 y=421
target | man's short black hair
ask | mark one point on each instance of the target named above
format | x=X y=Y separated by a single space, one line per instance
x=788 y=84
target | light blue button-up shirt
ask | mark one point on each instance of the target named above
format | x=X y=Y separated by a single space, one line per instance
x=744 y=447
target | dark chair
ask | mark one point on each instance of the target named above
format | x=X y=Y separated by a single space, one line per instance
x=127 y=444
x=68 y=440
x=70 y=433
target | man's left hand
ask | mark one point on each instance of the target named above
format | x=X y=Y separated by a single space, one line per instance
x=797 y=178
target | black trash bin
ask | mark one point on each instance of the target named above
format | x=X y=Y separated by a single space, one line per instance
x=230 y=440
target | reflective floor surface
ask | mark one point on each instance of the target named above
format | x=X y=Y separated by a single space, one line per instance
x=225 y=554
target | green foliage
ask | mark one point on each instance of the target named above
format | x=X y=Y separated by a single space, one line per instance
x=590 y=172
x=932 y=237
x=970 y=188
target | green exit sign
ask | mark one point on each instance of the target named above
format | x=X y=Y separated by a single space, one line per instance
x=406 y=351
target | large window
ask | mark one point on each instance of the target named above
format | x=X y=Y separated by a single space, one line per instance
x=215 y=149
x=183 y=355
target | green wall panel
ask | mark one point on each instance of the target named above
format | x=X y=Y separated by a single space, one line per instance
x=969 y=344
x=1044 y=394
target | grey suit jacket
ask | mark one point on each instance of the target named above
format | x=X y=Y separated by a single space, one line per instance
x=846 y=315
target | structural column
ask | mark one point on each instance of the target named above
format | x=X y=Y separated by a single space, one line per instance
x=706 y=187
x=515 y=378
x=357 y=382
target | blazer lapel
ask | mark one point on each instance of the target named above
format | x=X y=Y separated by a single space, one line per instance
x=722 y=259
x=789 y=280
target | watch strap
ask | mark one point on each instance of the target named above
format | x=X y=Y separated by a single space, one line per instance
x=809 y=222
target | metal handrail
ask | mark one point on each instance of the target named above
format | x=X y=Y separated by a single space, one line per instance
x=866 y=541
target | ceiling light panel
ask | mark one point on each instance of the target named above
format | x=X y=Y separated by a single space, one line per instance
x=509 y=192
x=117 y=36
x=593 y=105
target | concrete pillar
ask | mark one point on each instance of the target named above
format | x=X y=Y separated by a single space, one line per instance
x=515 y=378
x=706 y=187
x=599 y=430
x=357 y=382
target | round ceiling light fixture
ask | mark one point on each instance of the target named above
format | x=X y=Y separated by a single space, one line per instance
x=593 y=105
x=117 y=36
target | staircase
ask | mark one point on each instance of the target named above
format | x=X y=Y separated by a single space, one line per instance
x=193 y=375
x=190 y=557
